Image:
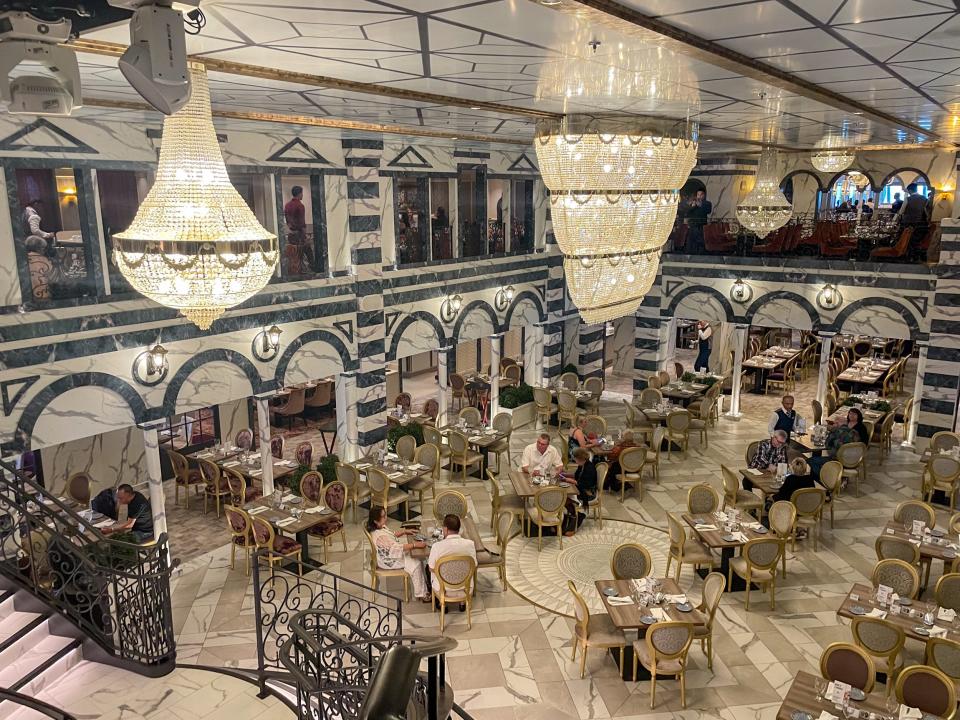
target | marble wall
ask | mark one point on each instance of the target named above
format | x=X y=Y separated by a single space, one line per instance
x=110 y=458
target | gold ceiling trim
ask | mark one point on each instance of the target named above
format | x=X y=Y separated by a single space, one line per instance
x=319 y=122
x=635 y=24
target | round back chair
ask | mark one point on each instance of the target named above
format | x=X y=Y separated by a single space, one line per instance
x=277 y=443
x=889 y=546
x=649 y=398
x=304 y=453
x=244 y=439
x=503 y=423
x=348 y=475
x=944 y=655
x=631 y=561
x=899 y=575
x=927 y=689
x=881 y=639
x=449 y=502
x=471 y=415
x=664 y=377
x=512 y=375
x=817 y=411
x=404 y=401
x=379 y=486
x=653 y=382
x=78 y=488
x=751 y=452
x=431 y=408
x=846 y=662
x=428 y=455
x=947 y=592
x=432 y=435
x=406 y=447
x=595 y=386
x=943 y=441
x=702 y=499
x=335 y=496
x=311 y=483
x=594 y=424
x=570 y=381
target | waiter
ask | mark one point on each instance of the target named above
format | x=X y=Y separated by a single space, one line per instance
x=704 y=334
x=783 y=418
x=698 y=211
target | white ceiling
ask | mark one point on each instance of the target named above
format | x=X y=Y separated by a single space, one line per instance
x=899 y=57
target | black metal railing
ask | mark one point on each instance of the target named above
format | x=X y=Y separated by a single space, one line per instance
x=34 y=704
x=117 y=593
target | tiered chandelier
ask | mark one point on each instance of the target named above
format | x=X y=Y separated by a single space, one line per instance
x=830 y=156
x=765 y=208
x=614 y=192
x=195 y=245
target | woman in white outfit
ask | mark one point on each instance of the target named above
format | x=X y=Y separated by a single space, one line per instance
x=392 y=554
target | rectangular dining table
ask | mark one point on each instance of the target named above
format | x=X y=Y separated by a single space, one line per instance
x=912 y=624
x=764 y=362
x=479 y=438
x=839 y=416
x=715 y=540
x=300 y=527
x=928 y=551
x=524 y=487
x=399 y=476
x=468 y=530
x=763 y=480
x=627 y=617
x=802 y=697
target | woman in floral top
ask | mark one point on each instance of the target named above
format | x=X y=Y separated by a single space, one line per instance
x=852 y=431
x=395 y=555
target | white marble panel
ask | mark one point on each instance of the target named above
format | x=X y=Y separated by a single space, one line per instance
x=79 y=413
x=620 y=346
x=234 y=417
x=9 y=279
x=476 y=324
x=110 y=459
x=338 y=244
x=317 y=359
x=876 y=320
x=782 y=312
x=213 y=380
x=701 y=306
x=418 y=337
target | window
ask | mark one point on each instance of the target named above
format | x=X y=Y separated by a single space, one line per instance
x=120 y=193
x=441 y=241
x=305 y=222
x=472 y=200
x=521 y=216
x=50 y=240
x=192 y=430
x=410 y=202
x=256 y=190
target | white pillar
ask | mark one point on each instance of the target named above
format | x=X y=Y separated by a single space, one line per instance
x=826 y=343
x=533 y=355
x=158 y=501
x=346 y=399
x=664 y=341
x=739 y=343
x=443 y=379
x=671 y=351
x=495 y=351
x=263 y=428
x=910 y=432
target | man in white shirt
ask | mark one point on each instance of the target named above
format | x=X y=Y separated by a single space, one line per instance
x=452 y=544
x=541 y=459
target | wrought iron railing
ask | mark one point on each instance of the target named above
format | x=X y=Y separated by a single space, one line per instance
x=34 y=704
x=117 y=593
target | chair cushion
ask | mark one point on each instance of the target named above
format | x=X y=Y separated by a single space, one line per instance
x=604 y=632
x=395 y=496
x=360 y=491
x=328 y=527
x=739 y=565
x=499 y=446
x=698 y=424
x=471 y=458
x=512 y=502
x=421 y=483
x=241 y=541
x=695 y=551
x=284 y=545
x=547 y=522
x=664 y=667
x=193 y=478
x=487 y=559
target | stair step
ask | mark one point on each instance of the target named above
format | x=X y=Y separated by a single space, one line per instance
x=16 y=625
x=19 y=661
x=6 y=604
x=45 y=669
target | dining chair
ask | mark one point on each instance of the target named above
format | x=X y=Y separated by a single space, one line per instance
x=458 y=386
x=244 y=439
x=664 y=652
x=735 y=496
x=890 y=546
x=376 y=572
x=184 y=476
x=592 y=630
x=678 y=370
x=427 y=455
x=701 y=423
x=782 y=517
x=311 y=486
x=713 y=586
x=853 y=458
x=335 y=496
x=240 y=492
x=928 y=689
x=431 y=408
x=809 y=503
x=566 y=408
x=570 y=381
x=461 y=455
x=882 y=640
x=944 y=441
x=633 y=421
x=649 y=398
x=501 y=502
x=78 y=488
x=292 y=407
x=277 y=444
x=404 y=401
x=303 y=453
x=449 y=502
x=653 y=381
x=547 y=511
x=664 y=377
x=545 y=405
x=357 y=491
x=320 y=398
x=947 y=591
x=757 y=563
x=498 y=560
x=241 y=536
x=35 y=546
x=830 y=475
x=652 y=458
x=455 y=574
x=434 y=437
x=502 y=423
x=678 y=429
x=384 y=494
x=904 y=416
x=594 y=425
x=471 y=415
x=512 y=376
x=683 y=550
x=631 y=466
x=279 y=548
x=942 y=473
x=630 y=561
x=702 y=499
x=883 y=436
x=899 y=575
x=944 y=655
x=406 y=447
x=817 y=410
x=214 y=485
x=849 y=663
x=594 y=385
x=596 y=505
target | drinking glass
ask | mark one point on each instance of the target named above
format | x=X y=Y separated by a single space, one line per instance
x=820 y=686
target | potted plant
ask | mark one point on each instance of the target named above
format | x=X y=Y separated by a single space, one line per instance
x=518 y=402
x=327 y=467
x=571 y=368
x=398 y=431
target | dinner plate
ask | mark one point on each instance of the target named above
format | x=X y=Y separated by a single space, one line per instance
x=950 y=553
x=920 y=630
x=761 y=530
x=857 y=610
x=648 y=619
x=564 y=484
x=905 y=601
x=800 y=715
x=856 y=694
x=684 y=607
x=729 y=538
x=609 y=592
x=937 y=532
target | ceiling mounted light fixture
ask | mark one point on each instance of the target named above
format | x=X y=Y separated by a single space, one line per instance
x=765 y=208
x=194 y=244
x=830 y=156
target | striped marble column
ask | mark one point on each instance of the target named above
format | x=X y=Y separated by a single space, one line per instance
x=158 y=500
x=263 y=431
x=649 y=352
x=591 y=350
x=346 y=398
x=365 y=209
x=826 y=346
x=553 y=329
x=495 y=353
x=443 y=381
x=910 y=431
x=533 y=355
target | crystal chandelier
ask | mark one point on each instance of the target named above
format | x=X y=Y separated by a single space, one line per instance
x=830 y=156
x=765 y=208
x=608 y=287
x=195 y=245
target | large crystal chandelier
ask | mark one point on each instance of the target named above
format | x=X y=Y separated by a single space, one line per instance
x=765 y=208
x=830 y=156
x=195 y=245
x=608 y=287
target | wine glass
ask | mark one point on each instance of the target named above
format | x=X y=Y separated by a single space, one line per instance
x=820 y=686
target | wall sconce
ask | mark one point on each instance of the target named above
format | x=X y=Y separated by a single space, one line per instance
x=450 y=307
x=266 y=344
x=504 y=297
x=150 y=367
x=829 y=298
x=741 y=292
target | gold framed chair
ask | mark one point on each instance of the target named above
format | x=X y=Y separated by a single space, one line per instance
x=455 y=575
x=631 y=469
x=944 y=441
x=653 y=453
x=809 y=503
x=461 y=455
x=545 y=405
x=830 y=475
x=592 y=630
x=449 y=502
x=890 y=546
x=434 y=437
x=547 y=511
x=566 y=408
x=486 y=559
x=713 y=586
x=682 y=550
x=214 y=485
x=377 y=572
x=570 y=381
x=782 y=517
x=594 y=385
x=458 y=387
x=427 y=455
x=903 y=577
x=385 y=495
x=502 y=423
x=664 y=651
x=184 y=477
x=909 y=510
x=471 y=416
x=335 y=496
x=942 y=473
x=702 y=499
x=649 y=398
x=596 y=505
x=357 y=490
x=928 y=689
x=406 y=447
x=631 y=561
x=853 y=457
x=757 y=563
x=594 y=424
x=947 y=591
x=944 y=655
x=279 y=548
x=240 y=493
x=678 y=430
x=736 y=496
x=501 y=502
x=241 y=535
x=78 y=488
x=882 y=640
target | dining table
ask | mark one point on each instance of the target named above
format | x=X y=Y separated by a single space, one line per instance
x=683 y=393
x=480 y=438
x=525 y=485
x=427 y=530
x=764 y=362
x=807 y=699
x=252 y=469
x=763 y=480
x=633 y=610
x=862 y=601
x=397 y=471
x=295 y=516
x=865 y=372
x=933 y=546
x=839 y=416
x=709 y=528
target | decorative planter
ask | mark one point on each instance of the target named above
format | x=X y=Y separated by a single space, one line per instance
x=522 y=414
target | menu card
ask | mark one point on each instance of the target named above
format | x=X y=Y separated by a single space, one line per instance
x=838 y=692
x=918 y=527
x=884 y=593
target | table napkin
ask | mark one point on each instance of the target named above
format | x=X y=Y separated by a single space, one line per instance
x=676 y=599
x=287 y=463
x=286 y=521
x=362 y=466
x=824 y=715
x=316 y=509
x=256 y=473
x=203 y=455
x=258 y=509
x=104 y=523
x=288 y=497
x=394 y=475
x=910 y=713
x=753 y=525
x=705 y=527
x=938 y=632
x=740 y=537
x=418 y=466
x=231 y=463
x=754 y=471
x=617 y=600
x=658 y=613
x=876 y=613
x=947 y=614
x=475 y=438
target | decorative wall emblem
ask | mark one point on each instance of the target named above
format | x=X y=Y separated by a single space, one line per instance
x=38 y=136
x=298 y=151
x=12 y=390
x=346 y=327
x=409 y=157
x=523 y=164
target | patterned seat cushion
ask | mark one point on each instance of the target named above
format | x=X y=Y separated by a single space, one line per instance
x=328 y=527
x=665 y=667
x=240 y=540
x=745 y=497
x=604 y=632
x=695 y=551
x=193 y=478
x=739 y=565
x=285 y=545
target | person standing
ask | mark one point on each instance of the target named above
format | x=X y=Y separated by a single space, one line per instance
x=914 y=210
x=295 y=214
x=784 y=417
x=696 y=218
x=704 y=346
x=896 y=204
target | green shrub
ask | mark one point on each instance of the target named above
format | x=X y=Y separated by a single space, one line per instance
x=882 y=406
x=328 y=467
x=293 y=479
x=571 y=368
x=688 y=377
x=514 y=397
x=398 y=431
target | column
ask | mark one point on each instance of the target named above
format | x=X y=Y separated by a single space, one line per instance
x=910 y=431
x=495 y=352
x=664 y=341
x=158 y=501
x=671 y=349
x=263 y=430
x=346 y=397
x=533 y=355
x=590 y=361
x=826 y=343
x=740 y=333
x=443 y=381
